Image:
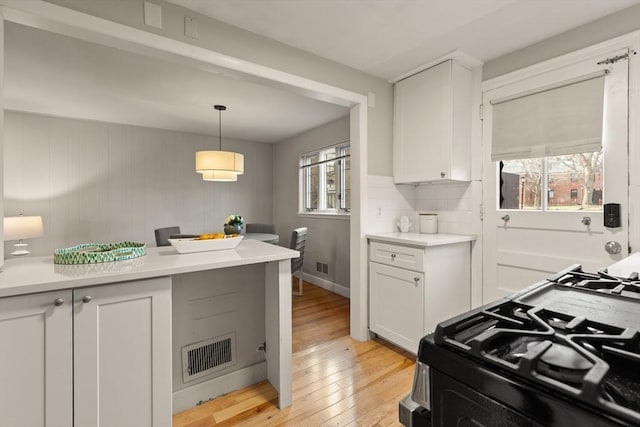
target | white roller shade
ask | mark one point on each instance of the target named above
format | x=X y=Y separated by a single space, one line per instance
x=550 y=121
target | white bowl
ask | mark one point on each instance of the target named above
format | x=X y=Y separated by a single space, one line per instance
x=185 y=246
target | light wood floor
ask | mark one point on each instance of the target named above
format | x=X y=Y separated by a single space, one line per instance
x=336 y=381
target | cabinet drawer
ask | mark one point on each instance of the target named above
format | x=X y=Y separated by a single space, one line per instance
x=397 y=255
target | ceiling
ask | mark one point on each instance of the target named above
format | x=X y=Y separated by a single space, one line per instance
x=51 y=74
x=388 y=38
x=56 y=75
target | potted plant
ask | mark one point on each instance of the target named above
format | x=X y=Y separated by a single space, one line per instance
x=234 y=224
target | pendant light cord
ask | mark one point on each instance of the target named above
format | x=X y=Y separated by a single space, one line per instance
x=220 y=109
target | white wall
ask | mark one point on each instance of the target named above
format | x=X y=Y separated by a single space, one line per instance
x=227 y=39
x=328 y=237
x=616 y=24
x=103 y=182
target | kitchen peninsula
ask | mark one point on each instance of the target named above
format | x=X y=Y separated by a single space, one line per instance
x=97 y=338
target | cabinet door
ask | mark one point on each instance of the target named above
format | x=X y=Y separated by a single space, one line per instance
x=422 y=126
x=122 y=354
x=396 y=304
x=36 y=360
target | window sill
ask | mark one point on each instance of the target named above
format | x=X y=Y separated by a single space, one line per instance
x=323 y=215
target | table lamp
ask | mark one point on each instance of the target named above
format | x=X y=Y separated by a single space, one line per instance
x=20 y=228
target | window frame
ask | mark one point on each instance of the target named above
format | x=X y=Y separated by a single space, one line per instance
x=341 y=152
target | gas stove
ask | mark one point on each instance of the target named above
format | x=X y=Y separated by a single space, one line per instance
x=563 y=352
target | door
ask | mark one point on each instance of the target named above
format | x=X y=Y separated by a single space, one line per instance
x=545 y=214
x=36 y=360
x=122 y=354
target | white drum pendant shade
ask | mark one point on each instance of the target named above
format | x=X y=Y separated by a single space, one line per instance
x=219 y=176
x=228 y=161
x=219 y=165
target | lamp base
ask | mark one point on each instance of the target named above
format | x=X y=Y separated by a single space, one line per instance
x=21 y=249
x=20 y=252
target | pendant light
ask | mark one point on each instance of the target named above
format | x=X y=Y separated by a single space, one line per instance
x=219 y=165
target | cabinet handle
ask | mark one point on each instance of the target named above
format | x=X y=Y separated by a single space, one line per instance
x=442 y=174
x=393 y=257
x=58 y=302
x=86 y=299
x=416 y=279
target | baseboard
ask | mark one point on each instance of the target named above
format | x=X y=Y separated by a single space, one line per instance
x=328 y=285
x=191 y=396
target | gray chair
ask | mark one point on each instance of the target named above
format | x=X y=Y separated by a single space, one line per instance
x=261 y=228
x=163 y=235
x=298 y=242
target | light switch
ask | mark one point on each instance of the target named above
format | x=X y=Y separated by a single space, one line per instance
x=152 y=14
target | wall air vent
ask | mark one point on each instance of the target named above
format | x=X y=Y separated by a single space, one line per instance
x=205 y=357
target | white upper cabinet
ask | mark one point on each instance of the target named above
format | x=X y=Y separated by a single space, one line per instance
x=432 y=125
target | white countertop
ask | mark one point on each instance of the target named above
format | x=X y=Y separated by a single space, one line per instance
x=625 y=267
x=39 y=274
x=419 y=239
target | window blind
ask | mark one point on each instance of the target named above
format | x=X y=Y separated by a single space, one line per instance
x=550 y=121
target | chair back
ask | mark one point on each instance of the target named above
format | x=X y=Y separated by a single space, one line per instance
x=261 y=228
x=298 y=242
x=163 y=235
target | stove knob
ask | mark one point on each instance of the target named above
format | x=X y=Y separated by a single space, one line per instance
x=613 y=247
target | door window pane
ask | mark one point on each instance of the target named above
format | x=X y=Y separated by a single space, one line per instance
x=576 y=182
x=571 y=183
x=521 y=184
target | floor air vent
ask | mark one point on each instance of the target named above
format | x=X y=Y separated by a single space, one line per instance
x=204 y=357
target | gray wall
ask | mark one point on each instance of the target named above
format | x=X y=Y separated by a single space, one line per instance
x=233 y=41
x=102 y=182
x=617 y=24
x=211 y=304
x=328 y=238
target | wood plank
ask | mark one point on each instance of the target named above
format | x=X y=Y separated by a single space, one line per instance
x=336 y=380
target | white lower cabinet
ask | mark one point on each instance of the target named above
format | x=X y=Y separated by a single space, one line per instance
x=96 y=356
x=412 y=289
x=122 y=354
x=36 y=348
x=397 y=304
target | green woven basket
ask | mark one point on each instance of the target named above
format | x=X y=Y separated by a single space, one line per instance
x=91 y=253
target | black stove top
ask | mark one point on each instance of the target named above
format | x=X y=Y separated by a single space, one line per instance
x=575 y=335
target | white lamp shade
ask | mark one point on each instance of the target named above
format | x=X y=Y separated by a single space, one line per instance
x=219 y=176
x=209 y=161
x=22 y=227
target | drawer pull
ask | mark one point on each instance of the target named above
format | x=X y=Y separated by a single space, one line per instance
x=86 y=299
x=58 y=302
x=416 y=279
x=393 y=257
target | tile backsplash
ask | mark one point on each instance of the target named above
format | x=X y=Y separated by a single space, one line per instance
x=453 y=202
x=387 y=202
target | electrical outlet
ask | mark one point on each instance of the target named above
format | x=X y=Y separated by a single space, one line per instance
x=379 y=212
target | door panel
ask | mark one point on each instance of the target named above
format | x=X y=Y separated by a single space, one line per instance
x=122 y=354
x=36 y=360
x=522 y=247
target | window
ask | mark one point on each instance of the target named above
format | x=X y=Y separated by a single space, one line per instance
x=571 y=182
x=548 y=141
x=325 y=180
